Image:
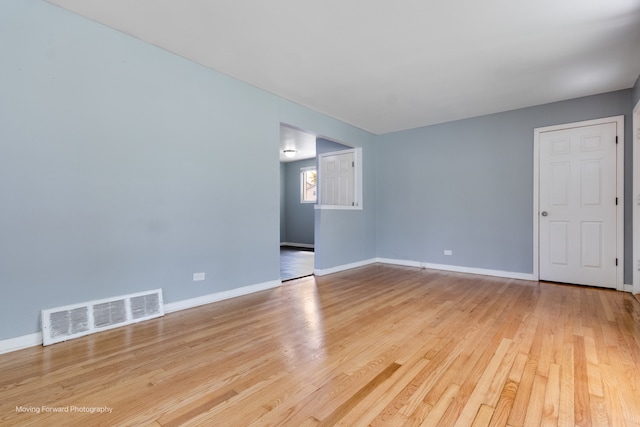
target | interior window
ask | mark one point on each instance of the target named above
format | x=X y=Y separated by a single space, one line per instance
x=308 y=185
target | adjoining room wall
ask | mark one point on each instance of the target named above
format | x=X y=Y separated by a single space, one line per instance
x=299 y=216
x=325 y=146
x=283 y=202
x=467 y=186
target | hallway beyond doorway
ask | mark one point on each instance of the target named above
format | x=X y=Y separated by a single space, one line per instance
x=295 y=262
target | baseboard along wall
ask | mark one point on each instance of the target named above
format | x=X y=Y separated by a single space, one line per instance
x=418 y=264
x=35 y=339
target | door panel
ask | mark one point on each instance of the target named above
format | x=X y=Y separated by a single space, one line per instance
x=591 y=185
x=577 y=200
x=559 y=186
x=337 y=178
x=558 y=242
x=592 y=244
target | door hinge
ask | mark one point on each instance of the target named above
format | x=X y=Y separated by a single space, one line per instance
x=616 y=262
x=616 y=139
x=353 y=164
x=616 y=201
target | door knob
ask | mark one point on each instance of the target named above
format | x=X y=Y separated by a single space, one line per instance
x=544 y=213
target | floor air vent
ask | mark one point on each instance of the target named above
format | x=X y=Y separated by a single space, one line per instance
x=73 y=321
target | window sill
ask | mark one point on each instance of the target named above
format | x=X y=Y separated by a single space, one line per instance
x=338 y=207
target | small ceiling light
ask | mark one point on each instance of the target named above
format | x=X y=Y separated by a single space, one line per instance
x=289 y=153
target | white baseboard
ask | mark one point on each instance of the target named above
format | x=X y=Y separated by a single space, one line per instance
x=19 y=343
x=330 y=270
x=401 y=262
x=219 y=296
x=298 y=245
x=35 y=339
x=458 y=269
x=418 y=264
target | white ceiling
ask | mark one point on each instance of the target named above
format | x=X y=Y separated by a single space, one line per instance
x=386 y=65
x=293 y=139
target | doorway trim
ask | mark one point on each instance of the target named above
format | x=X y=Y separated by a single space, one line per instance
x=619 y=120
x=635 y=288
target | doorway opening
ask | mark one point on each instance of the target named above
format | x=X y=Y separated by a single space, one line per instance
x=299 y=191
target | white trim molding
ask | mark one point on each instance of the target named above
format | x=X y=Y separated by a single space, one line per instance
x=35 y=339
x=619 y=120
x=635 y=188
x=459 y=269
x=419 y=264
x=338 y=208
x=220 y=296
x=339 y=268
x=20 y=343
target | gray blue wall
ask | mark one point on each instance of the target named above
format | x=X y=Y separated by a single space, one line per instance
x=283 y=202
x=125 y=168
x=299 y=217
x=361 y=224
x=323 y=145
x=468 y=186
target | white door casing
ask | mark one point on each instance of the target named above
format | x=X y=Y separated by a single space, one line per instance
x=578 y=203
x=636 y=200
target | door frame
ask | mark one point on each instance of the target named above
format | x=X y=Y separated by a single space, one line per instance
x=636 y=199
x=619 y=120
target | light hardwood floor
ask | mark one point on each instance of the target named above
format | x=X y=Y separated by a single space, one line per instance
x=379 y=345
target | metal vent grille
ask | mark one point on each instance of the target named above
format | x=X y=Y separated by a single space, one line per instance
x=73 y=321
x=144 y=305
x=69 y=322
x=109 y=313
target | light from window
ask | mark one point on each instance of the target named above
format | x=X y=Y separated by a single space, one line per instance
x=309 y=184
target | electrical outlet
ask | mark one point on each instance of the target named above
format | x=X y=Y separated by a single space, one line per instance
x=197 y=277
x=448 y=252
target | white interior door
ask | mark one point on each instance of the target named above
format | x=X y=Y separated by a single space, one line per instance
x=337 y=179
x=578 y=205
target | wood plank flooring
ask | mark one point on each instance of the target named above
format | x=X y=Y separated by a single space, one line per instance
x=380 y=345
